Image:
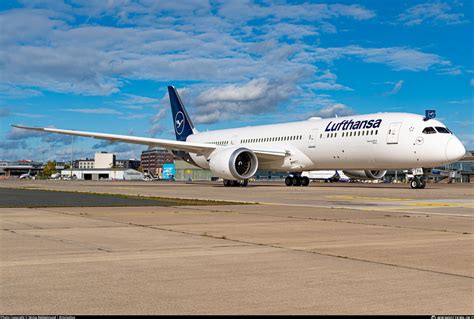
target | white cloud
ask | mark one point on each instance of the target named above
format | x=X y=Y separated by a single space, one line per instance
x=231 y=102
x=12 y=144
x=337 y=109
x=468 y=140
x=18 y=134
x=431 y=12
x=29 y=115
x=15 y=92
x=155 y=121
x=135 y=116
x=137 y=99
x=133 y=107
x=325 y=86
x=195 y=41
x=327 y=83
x=94 y=111
x=398 y=58
x=162 y=41
x=304 y=11
x=463 y=101
x=395 y=88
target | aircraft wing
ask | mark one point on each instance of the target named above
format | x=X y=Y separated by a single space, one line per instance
x=199 y=148
x=269 y=154
x=192 y=147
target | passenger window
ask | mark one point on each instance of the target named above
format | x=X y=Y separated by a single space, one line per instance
x=441 y=129
x=429 y=130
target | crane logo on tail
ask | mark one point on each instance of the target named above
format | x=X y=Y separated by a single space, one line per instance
x=179 y=121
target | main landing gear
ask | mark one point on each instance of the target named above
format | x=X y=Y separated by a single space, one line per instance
x=296 y=180
x=418 y=182
x=242 y=183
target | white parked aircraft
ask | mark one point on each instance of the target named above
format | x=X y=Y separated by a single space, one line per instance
x=364 y=146
x=26 y=176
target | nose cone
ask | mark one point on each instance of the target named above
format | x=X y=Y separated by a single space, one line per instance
x=454 y=149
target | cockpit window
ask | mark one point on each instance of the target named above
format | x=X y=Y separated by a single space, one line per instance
x=441 y=129
x=429 y=130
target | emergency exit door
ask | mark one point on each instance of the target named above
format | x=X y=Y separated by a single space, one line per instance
x=312 y=138
x=393 y=132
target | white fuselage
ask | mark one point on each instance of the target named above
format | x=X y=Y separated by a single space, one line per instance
x=372 y=141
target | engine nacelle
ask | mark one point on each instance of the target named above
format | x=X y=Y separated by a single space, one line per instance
x=233 y=163
x=367 y=174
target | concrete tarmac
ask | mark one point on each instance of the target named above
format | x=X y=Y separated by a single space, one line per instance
x=324 y=249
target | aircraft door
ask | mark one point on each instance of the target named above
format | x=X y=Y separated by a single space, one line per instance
x=312 y=138
x=393 y=132
x=235 y=140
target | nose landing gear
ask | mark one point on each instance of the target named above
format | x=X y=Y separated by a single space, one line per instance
x=418 y=182
x=296 y=180
x=420 y=175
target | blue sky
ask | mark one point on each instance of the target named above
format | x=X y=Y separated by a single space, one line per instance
x=104 y=66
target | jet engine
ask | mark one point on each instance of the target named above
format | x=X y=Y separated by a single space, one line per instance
x=368 y=174
x=233 y=163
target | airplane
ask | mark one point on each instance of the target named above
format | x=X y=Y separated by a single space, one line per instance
x=55 y=176
x=363 y=146
x=26 y=176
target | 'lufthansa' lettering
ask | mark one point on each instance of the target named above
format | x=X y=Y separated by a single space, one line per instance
x=353 y=125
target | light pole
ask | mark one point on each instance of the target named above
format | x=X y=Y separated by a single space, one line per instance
x=72 y=148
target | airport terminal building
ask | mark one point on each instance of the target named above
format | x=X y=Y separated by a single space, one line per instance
x=103 y=167
x=17 y=168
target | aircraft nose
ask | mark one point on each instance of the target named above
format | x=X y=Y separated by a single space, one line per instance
x=454 y=149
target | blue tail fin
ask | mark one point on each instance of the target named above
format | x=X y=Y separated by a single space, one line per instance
x=183 y=126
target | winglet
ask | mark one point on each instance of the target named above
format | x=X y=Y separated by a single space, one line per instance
x=28 y=127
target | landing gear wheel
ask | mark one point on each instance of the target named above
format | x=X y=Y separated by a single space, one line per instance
x=304 y=181
x=244 y=182
x=415 y=183
x=422 y=183
x=227 y=183
x=296 y=181
x=235 y=183
x=289 y=181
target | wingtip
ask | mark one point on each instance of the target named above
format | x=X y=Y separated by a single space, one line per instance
x=27 y=127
